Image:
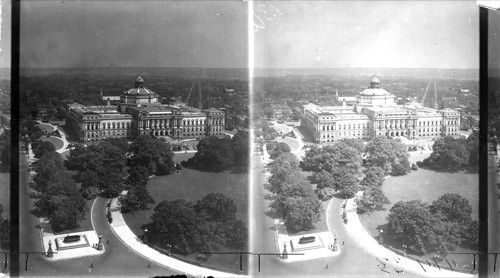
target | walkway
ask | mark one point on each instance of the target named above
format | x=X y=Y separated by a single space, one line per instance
x=121 y=229
x=368 y=243
x=63 y=137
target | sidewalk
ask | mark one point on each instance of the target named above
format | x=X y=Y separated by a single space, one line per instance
x=367 y=242
x=63 y=138
x=119 y=226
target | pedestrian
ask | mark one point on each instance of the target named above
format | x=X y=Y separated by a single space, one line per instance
x=107 y=242
x=343 y=242
x=326 y=267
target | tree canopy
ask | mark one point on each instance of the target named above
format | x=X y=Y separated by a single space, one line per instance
x=201 y=227
x=152 y=153
x=279 y=149
x=452 y=207
x=388 y=154
x=449 y=153
x=331 y=157
x=373 y=199
x=219 y=154
x=374 y=177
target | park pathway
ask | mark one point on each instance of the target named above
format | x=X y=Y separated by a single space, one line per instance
x=128 y=237
x=358 y=232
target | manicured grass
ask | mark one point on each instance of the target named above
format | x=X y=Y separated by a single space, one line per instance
x=5 y=196
x=45 y=127
x=427 y=186
x=56 y=141
x=178 y=157
x=291 y=142
x=192 y=185
x=281 y=128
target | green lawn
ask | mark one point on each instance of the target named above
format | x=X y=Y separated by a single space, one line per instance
x=291 y=142
x=425 y=185
x=5 y=196
x=192 y=185
x=45 y=127
x=56 y=141
x=178 y=157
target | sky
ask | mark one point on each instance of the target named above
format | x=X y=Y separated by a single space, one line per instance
x=212 y=34
x=5 y=41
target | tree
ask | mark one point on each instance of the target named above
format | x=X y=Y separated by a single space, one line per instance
x=268 y=111
x=240 y=146
x=42 y=147
x=279 y=149
x=152 y=153
x=373 y=199
x=448 y=153
x=298 y=204
x=401 y=167
x=239 y=235
x=473 y=147
x=214 y=154
x=386 y=153
x=218 y=207
x=121 y=143
x=354 y=143
x=332 y=157
x=176 y=223
x=4 y=234
x=411 y=223
x=452 y=207
x=138 y=176
x=137 y=198
x=374 y=177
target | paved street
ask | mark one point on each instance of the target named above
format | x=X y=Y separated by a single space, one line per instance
x=117 y=261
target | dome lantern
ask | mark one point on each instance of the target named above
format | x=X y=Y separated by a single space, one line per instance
x=375 y=83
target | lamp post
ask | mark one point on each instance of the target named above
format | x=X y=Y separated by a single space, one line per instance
x=404 y=248
x=381 y=237
x=50 y=252
x=285 y=253
x=145 y=235
x=99 y=244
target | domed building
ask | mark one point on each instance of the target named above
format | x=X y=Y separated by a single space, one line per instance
x=138 y=95
x=375 y=113
x=141 y=113
x=375 y=95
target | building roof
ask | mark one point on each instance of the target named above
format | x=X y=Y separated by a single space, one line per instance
x=139 y=88
x=374 y=89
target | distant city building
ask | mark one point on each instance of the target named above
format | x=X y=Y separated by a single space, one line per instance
x=139 y=112
x=376 y=113
x=280 y=109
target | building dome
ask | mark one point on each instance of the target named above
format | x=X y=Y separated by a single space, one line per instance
x=374 y=89
x=139 y=88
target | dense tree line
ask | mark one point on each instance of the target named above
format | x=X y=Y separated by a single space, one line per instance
x=336 y=168
x=101 y=167
x=219 y=154
x=56 y=196
x=436 y=228
x=292 y=196
x=5 y=150
x=373 y=198
x=4 y=231
x=454 y=154
x=200 y=227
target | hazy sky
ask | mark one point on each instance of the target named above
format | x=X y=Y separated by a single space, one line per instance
x=429 y=34
x=5 y=35
x=214 y=34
